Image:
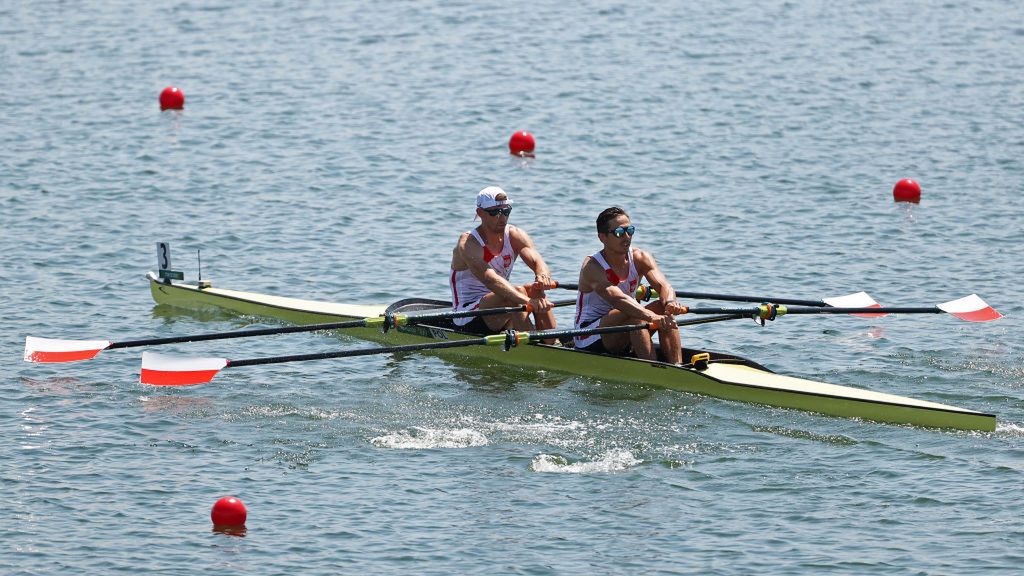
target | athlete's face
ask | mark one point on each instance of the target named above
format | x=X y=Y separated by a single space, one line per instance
x=618 y=234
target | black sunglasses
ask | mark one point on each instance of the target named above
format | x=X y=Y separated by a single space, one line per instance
x=495 y=211
x=623 y=231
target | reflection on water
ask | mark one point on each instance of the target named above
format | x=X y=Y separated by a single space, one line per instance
x=55 y=385
x=238 y=531
x=176 y=405
x=171 y=314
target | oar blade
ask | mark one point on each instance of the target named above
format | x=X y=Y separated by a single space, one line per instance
x=970 y=308
x=164 y=370
x=54 y=350
x=856 y=300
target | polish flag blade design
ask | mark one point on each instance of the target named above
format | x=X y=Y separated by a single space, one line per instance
x=53 y=350
x=971 y=308
x=164 y=370
x=857 y=300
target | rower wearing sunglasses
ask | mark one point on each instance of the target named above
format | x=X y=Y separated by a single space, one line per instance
x=608 y=280
x=482 y=264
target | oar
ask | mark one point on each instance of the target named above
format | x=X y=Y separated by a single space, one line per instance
x=164 y=370
x=54 y=350
x=855 y=300
x=970 y=308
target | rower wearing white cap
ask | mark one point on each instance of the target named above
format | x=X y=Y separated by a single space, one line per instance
x=482 y=264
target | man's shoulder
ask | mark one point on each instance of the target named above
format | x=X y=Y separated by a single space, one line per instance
x=591 y=267
x=469 y=235
x=643 y=261
x=466 y=240
x=520 y=239
x=641 y=255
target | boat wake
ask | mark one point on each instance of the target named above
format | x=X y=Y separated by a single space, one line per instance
x=427 y=438
x=1010 y=429
x=616 y=460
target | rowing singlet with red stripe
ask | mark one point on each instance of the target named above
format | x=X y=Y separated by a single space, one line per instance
x=467 y=290
x=590 y=307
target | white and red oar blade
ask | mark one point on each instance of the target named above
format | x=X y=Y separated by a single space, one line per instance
x=52 y=350
x=163 y=370
x=857 y=300
x=971 y=308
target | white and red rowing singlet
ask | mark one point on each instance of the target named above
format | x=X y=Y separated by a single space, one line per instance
x=467 y=290
x=590 y=307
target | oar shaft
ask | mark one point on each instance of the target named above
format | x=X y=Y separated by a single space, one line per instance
x=359 y=352
x=723 y=297
x=643 y=292
x=547 y=334
x=736 y=298
x=414 y=318
x=876 y=310
x=362 y=322
x=733 y=311
x=784 y=310
x=492 y=340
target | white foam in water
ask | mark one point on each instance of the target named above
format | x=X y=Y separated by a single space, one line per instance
x=1010 y=428
x=426 y=438
x=540 y=428
x=611 y=461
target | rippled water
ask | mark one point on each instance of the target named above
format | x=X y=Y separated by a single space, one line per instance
x=332 y=151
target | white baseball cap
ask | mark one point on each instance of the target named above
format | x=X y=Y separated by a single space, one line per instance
x=492 y=196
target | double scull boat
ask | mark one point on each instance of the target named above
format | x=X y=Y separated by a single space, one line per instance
x=715 y=374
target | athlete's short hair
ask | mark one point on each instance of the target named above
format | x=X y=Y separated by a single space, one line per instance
x=607 y=215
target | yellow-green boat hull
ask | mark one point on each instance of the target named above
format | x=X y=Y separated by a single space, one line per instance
x=726 y=377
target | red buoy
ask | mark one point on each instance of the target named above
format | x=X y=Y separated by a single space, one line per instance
x=521 y=144
x=907 y=190
x=228 y=512
x=172 y=99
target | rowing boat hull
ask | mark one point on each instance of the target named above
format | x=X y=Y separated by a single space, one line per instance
x=726 y=377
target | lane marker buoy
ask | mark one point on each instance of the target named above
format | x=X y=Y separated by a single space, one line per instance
x=521 y=144
x=172 y=99
x=228 y=512
x=907 y=190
